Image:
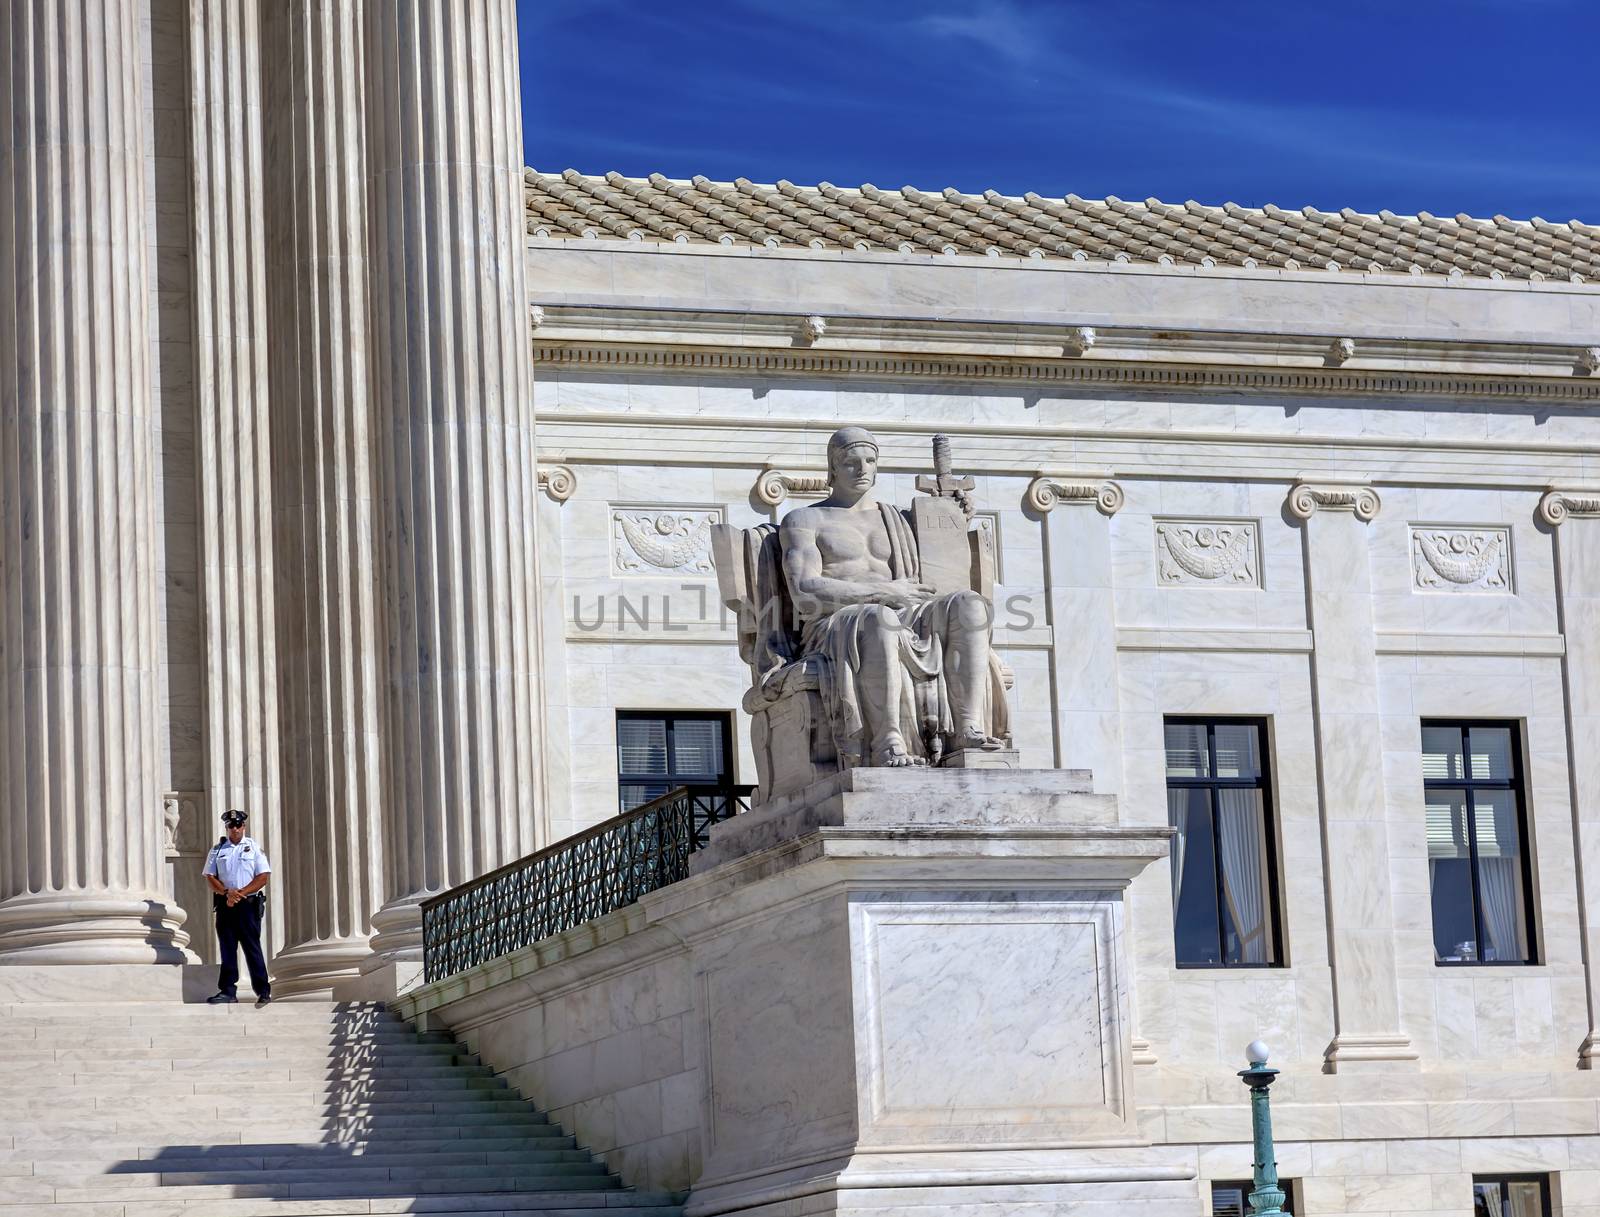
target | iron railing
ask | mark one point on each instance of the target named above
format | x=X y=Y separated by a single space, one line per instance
x=583 y=877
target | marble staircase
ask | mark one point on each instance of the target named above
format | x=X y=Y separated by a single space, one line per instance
x=168 y=1110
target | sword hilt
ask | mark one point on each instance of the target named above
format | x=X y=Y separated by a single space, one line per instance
x=943 y=463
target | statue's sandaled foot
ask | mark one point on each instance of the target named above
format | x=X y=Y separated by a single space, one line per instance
x=975 y=737
x=890 y=752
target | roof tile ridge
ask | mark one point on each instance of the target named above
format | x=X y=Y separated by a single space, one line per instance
x=909 y=232
x=726 y=196
x=810 y=227
x=897 y=202
x=583 y=204
x=649 y=213
x=837 y=205
x=993 y=240
x=1023 y=239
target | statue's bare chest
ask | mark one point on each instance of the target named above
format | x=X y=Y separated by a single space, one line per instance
x=853 y=538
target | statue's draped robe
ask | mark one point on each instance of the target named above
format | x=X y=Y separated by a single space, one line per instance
x=919 y=686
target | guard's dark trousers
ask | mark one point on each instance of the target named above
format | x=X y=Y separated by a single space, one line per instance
x=238 y=927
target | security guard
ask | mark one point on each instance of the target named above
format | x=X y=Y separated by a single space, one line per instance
x=237 y=870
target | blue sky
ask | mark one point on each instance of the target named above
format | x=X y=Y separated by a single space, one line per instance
x=1481 y=106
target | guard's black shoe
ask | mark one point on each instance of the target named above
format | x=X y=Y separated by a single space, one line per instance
x=221 y=999
x=264 y=1000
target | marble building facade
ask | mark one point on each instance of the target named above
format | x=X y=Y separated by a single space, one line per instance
x=275 y=533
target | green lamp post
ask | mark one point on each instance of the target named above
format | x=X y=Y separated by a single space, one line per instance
x=1266 y=1199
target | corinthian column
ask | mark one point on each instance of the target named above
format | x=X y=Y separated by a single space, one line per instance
x=329 y=640
x=233 y=464
x=455 y=389
x=80 y=816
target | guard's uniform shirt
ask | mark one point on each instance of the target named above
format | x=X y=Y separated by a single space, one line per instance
x=235 y=866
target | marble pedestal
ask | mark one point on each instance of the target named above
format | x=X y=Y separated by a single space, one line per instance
x=913 y=992
x=895 y=992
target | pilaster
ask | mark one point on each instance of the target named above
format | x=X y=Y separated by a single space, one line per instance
x=458 y=487
x=232 y=454
x=330 y=642
x=1574 y=517
x=1344 y=670
x=1083 y=655
x=81 y=837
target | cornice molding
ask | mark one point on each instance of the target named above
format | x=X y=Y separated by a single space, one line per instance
x=1049 y=489
x=1558 y=504
x=1307 y=498
x=1132 y=376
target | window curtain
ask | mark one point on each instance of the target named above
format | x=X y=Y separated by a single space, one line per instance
x=1239 y=830
x=1178 y=815
x=1497 y=882
x=1489 y=1200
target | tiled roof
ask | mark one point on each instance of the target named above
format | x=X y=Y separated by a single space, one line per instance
x=572 y=204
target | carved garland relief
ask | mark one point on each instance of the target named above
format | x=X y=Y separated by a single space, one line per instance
x=1450 y=558
x=1208 y=553
x=658 y=540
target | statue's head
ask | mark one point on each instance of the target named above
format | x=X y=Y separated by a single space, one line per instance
x=852 y=461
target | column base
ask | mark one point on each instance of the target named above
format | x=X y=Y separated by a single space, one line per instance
x=396 y=933
x=84 y=927
x=1589 y=1053
x=312 y=969
x=1349 y=1052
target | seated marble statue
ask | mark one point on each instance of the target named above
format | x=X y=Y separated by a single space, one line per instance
x=909 y=675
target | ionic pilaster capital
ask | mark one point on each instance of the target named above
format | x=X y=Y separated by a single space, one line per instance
x=1557 y=504
x=1049 y=489
x=1307 y=498
x=775 y=485
x=558 y=481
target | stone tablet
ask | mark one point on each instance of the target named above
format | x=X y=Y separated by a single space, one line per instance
x=944 y=544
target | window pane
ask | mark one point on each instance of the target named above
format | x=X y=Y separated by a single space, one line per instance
x=1241 y=835
x=1186 y=751
x=1527 y=1198
x=641 y=745
x=1455 y=935
x=1229 y=1199
x=1490 y=751
x=1441 y=755
x=1194 y=878
x=1486 y=1200
x=697 y=748
x=1500 y=876
x=635 y=794
x=1237 y=755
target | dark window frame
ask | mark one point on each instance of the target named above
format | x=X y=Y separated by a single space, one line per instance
x=1542 y=1179
x=1290 y=1192
x=1269 y=825
x=1515 y=784
x=724 y=718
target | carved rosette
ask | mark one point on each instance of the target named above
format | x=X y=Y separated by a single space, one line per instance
x=1047 y=490
x=1307 y=498
x=663 y=540
x=1207 y=553
x=1557 y=505
x=558 y=481
x=1451 y=559
x=775 y=485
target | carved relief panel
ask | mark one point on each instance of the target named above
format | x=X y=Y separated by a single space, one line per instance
x=1457 y=558
x=662 y=540
x=1208 y=553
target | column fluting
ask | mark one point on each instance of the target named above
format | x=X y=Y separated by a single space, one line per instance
x=330 y=638
x=233 y=455
x=80 y=810
x=454 y=387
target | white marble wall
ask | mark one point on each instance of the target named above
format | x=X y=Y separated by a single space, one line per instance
x=1496 y=1085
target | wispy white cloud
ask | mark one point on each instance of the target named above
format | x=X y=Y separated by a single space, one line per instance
x=998 y=26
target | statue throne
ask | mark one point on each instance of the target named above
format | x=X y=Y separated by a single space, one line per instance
x=790 y=729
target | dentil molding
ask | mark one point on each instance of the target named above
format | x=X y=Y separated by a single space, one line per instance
x=1307 y=498
x=1049 y=489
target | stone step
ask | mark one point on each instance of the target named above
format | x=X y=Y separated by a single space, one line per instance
x=580 y=1173
x=287 y=1049
x=233 y=1078
x=460 y=1204
x=166 y=1163
x=244 y=1031
x=330 y=1189
x=157 y=1015
x=201 y=1107
x=426 y=1142
x=79 y=1086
